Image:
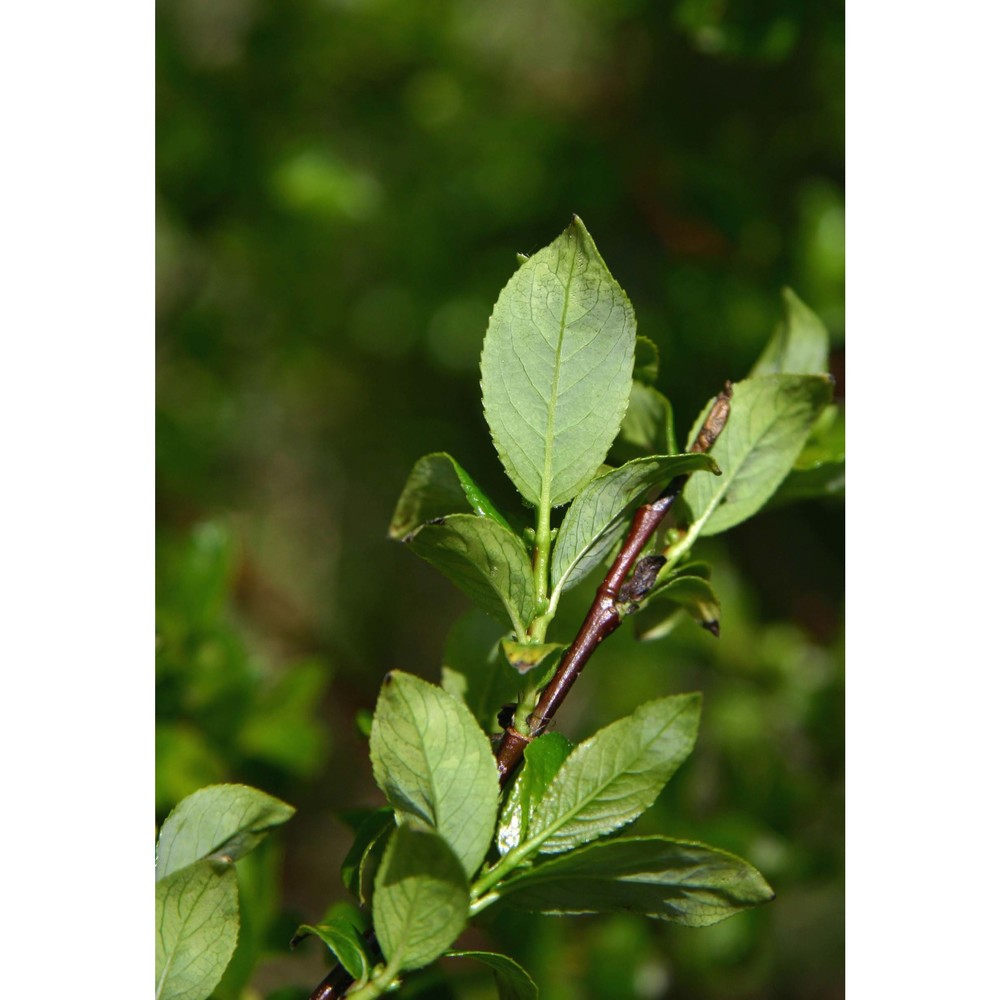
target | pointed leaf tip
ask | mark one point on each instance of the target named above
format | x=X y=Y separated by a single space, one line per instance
x=557 y=368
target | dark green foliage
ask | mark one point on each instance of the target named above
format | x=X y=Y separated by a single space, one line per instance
x=340 y=188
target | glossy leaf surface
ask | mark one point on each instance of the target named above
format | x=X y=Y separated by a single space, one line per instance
x=438 y=486
x=542 y=759
x=613 y=777
x=688 y=883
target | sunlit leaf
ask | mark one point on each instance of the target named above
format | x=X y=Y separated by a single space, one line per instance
x=218 y=821
x=557 y=368
x=769 y=421
x=527 y=658
x=615 y=776
x=435 y=764
x=800 y=345
x=197 y=924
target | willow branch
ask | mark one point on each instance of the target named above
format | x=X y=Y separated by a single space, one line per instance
x=616 y=592
x=605 y=615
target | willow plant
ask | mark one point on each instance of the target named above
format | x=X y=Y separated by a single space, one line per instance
x=485 y=806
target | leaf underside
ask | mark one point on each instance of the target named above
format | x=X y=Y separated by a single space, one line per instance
x=227 y=820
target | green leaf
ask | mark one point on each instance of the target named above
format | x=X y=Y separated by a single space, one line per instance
x=827 y=440
x=528 y=657
x=820 y=469
x=435 y=764
x=485 y=560
x=647 y=360
x=421 y=899
x=599 y=517
x=694 y=595
x=436 y=487
x=475 y=671
x=615 y=776
x=769 y=422
x=197 y=924
x=218 y=821
x=513 y=983
x=358 y=870
x=557 y=368
x=667 y=879
x=696 y=567
x=648 y=427
x=343 y=938
x=800 y=345
x=542 y=759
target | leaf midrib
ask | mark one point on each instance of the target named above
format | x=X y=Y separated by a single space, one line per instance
x=544 y=500
x=172 y=954
x=727 y=480
x=535 y=842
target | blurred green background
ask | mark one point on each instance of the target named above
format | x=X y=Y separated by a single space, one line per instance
x=342 y=187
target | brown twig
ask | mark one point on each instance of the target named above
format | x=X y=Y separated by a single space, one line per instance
x=605 y=613
x=603 y=618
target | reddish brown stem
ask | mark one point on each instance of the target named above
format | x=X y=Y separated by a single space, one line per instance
x=604 y=615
